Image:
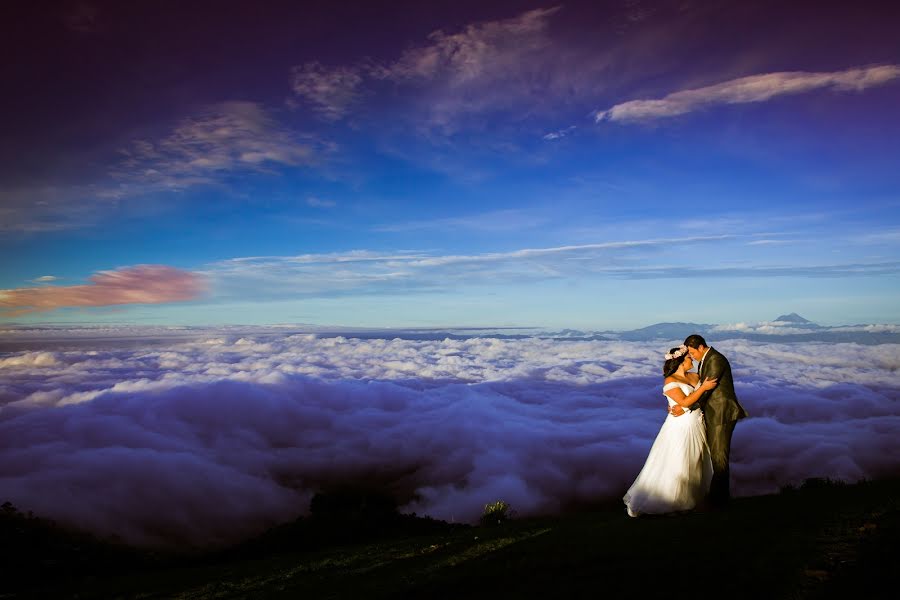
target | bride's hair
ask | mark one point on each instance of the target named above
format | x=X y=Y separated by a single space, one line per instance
x=671 y=365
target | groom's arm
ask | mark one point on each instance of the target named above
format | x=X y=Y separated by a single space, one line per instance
x=718 y=365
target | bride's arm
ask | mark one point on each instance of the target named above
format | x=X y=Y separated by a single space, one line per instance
x=678 y=396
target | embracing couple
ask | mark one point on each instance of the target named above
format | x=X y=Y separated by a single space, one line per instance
x=687 y=466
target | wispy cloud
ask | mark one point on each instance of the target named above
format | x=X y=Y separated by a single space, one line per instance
x=498 y=220
x=556 y=135
x=83 y=17
x=317 y=202
x=530 y=253
x=833 y=270
x=140 y=284
x=329 y=91
x=480 y=49
x=367 y=272
x=456 y=73
x=230 y=136
x=353 y=256
x=755 y=88
x=886 y=236
x=44 y=279
x=485 y=67
x=769 y=242
x=44 y=208
x=201 y=149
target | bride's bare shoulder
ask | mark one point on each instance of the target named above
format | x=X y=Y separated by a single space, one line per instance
x=673 y=379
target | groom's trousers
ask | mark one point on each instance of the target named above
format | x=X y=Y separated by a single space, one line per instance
x=718 y=437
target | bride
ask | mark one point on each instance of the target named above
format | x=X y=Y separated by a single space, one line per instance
x=678 y=470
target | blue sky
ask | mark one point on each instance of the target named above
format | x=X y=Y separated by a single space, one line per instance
x=603 y=165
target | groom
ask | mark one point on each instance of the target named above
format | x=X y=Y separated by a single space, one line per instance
x=721 y=412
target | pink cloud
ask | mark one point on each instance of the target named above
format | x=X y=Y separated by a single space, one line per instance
x=140 y=284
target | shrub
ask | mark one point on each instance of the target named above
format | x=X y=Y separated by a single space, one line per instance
x=496 y=513
x=353 y=504
x=815 y=483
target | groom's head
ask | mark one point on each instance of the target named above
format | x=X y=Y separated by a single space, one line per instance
x=696 y=346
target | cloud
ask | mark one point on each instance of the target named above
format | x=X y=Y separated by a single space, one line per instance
x=46 y=208
x=330 y=91
x=497 y=220
x=485 y=65
x=368 y=272
x=44 y=279
x=141 y=284
x=316 y=202
x=83 y=18
x=225 y=137
x=840 y=270
x=204 y=149
x=384 y=272
x=789 y=328
x=888 y=236
x=529 y=253
x=769 y=242
x=100 y=436
x=556 y=135
x=767 y=328
x=873 y=328
x=480 y=49
x=755 y=88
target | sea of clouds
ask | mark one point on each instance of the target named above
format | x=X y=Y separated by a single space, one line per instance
x=206 y=440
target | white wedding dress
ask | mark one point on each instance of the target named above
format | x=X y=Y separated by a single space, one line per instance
x=678 y=470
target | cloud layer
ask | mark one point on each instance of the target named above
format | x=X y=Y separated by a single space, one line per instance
x=141 y=284
x=755 y=88
x=231 y=434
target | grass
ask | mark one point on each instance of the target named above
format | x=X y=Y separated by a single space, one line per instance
x=821 y=540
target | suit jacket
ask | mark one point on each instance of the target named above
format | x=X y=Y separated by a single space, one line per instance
x=720 y=404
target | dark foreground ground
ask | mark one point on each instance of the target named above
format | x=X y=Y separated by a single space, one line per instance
x=822 y=540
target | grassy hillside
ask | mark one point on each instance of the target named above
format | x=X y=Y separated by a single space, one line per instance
x=822 y=540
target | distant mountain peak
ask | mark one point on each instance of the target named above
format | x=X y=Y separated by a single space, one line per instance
x=792 y=318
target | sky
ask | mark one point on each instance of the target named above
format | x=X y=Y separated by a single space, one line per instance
x=99 y=436
x=605 y=164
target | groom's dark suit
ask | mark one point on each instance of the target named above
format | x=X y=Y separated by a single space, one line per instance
x=721 y=412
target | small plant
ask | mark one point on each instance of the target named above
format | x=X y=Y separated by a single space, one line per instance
x=496 y=513
x=787 y=488
x=817 y=483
